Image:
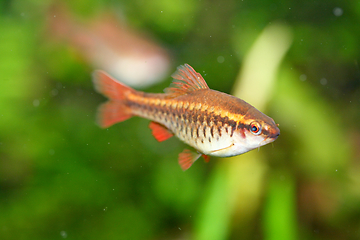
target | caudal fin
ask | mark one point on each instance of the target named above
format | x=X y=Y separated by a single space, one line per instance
x=110 y=87
x=115 y=110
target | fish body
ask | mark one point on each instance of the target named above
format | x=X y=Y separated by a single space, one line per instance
x=212 y=122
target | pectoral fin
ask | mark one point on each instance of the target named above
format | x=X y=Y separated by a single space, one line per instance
x=160 y=132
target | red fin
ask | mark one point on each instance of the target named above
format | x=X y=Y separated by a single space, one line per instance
x=206 y=158
x=187 y=158
x=109 y=86
x=186 y=79
x=114 y=110
x=160 y=132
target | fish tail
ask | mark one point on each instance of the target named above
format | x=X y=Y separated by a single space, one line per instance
x=116 y=109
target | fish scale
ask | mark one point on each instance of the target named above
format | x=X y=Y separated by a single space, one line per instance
x=212 y=122
x=194 y=123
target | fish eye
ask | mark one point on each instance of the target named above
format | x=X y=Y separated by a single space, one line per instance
x=255 y=128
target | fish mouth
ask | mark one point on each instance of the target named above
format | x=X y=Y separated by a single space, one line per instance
x=274 y=134
x=271 y=138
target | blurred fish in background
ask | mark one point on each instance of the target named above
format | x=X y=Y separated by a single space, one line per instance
x=107 y=43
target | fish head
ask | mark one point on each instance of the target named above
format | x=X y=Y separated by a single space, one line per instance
x=256 y=129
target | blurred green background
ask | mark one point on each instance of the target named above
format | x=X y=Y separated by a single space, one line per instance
x=63 y=177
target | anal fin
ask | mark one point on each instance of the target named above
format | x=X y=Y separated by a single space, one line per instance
x=187 y=158
x=160 y=132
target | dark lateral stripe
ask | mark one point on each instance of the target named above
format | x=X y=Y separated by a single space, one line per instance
x=200 y=117
x=181 y=117
x=217 y=119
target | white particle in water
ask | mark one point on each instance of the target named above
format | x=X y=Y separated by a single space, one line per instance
x=338 y=11
x=303 y=77
x=220 y=59
x=36 y=102
x=63 y=234
x=54 y=92
x=323 y=81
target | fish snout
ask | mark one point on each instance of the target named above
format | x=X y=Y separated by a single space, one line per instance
x=274 y=132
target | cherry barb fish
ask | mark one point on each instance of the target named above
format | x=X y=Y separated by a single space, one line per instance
x=212 y=122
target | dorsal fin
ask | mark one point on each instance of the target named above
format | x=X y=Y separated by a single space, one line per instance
x=186 y=79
